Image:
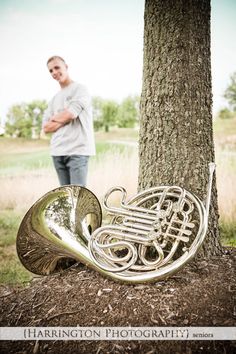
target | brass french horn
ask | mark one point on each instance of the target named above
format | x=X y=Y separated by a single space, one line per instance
x=150 y=236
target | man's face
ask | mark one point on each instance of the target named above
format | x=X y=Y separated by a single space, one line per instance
x=58 y=70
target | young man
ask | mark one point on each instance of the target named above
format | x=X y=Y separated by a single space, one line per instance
x=69 y=118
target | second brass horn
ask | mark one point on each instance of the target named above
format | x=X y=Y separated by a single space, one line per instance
x=150 y=237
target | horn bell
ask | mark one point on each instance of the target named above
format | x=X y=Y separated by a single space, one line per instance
x=56 y=229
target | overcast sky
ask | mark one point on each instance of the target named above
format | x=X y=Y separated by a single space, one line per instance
x=101 y=41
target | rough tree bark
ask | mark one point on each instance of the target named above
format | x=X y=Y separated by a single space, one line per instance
x=176 y=137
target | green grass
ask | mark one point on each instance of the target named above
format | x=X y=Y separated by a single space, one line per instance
x=21 y=162
x=104 y=147
x=10 y=145
x=117 y=134
x=228 y=232
x=9 y=224
x=12 y=272
x=224 y=127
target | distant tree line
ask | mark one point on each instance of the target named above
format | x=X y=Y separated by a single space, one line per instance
x=108 y=113
x=25 y=119
x=230 y=96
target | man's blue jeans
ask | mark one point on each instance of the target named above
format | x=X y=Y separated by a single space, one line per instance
x=71 y=169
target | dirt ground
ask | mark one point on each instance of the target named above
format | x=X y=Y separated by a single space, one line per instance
x=202 y=294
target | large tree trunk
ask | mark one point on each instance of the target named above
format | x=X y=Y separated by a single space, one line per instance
x=176 y=138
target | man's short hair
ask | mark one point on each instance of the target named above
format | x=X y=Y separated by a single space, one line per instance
x=56 y=57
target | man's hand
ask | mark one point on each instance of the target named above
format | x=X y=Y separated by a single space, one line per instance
x=57 y=121
x=51 y=126
x=63 y=117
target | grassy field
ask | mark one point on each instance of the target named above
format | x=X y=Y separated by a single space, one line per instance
x=26 y=173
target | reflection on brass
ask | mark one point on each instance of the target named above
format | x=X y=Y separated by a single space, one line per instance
x=150 y=236
x=58 y=227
